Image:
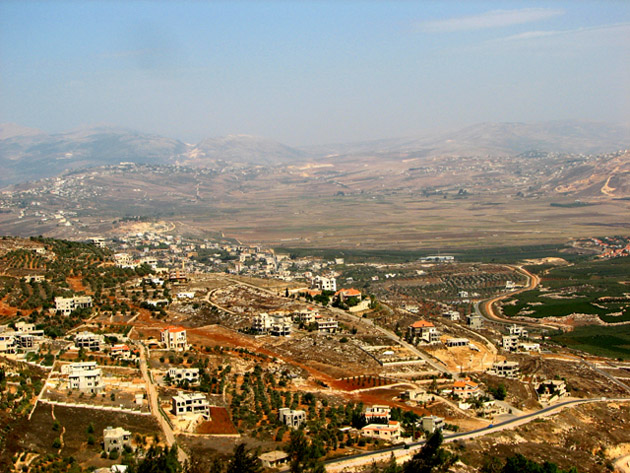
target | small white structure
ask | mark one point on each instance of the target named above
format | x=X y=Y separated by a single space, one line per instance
x=517 y=330
x=190 y=403
x=185 y=295
x=116 y=439
x=292 y=418
x=390 y=431
x=174 y=338
x=457 y=342
x=452 y=315
x=274 y=459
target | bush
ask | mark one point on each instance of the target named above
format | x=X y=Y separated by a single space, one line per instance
x=113 y=455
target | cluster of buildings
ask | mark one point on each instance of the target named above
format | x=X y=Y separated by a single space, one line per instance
x=514 y=340
x=280 y=324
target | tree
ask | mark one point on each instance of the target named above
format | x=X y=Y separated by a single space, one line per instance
x=244 y=461
x=431 y=458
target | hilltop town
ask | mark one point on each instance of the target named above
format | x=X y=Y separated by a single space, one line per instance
x=113 y=347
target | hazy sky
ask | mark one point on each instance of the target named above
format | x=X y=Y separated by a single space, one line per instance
x=311 y=72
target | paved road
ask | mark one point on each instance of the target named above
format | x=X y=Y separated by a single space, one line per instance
x=486 y=310
x=155 y=410
x=367 y=458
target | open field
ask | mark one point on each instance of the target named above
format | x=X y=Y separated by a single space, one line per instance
x=613 y=342
x=358 y=201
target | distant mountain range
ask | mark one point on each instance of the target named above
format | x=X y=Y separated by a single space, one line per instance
x=30 y=154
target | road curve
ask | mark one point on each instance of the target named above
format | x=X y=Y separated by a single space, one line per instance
x=486 y=308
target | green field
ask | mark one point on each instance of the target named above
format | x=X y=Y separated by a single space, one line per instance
x=612 y=342
x=579 y=288
x=502 y=254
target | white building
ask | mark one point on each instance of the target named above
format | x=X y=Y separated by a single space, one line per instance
x=452 y=315
x=67 y=305
x=84 y=376
x=327 y=326
x=432 y=423
x=423 y=331
x=517 y=330
x=377 y=412
x=116 y=439
x=457 y=342
x=174 y=338
x=180 y=374
x=324 y=284
x=390 y=431
x=509 y=342
x=190 y=403
x=292 y=418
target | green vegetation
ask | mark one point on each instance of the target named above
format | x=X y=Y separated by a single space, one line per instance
x=500 y=254
x=520 y=464
x=604 y=341
x=587 y=287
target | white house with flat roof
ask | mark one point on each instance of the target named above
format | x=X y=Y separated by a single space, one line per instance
x=190 y=403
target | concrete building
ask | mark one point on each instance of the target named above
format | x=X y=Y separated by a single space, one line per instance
x=274 y=459
x=376 y=413
x=390 y=431
x=475 y=322
x=174 y=338
x=432 y=423
x=466 y=388
x=67 y=305
x=292 y=418
x=116 y=439
x=457 y=342
x=306 y=316
x=423 y=331
x=506 y=369
x=327 y=326
x=324 y=284
x=84 y=376
x=178 y=375
x=517 y=330
x=190 y=403
x=509 y=342
x=452 y=315
x=89 y=341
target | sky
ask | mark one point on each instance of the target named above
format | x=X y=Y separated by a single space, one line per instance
x=306 y=73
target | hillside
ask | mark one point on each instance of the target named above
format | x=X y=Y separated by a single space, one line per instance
x=27 y=154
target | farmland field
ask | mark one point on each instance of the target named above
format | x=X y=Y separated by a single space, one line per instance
x=586 y=287
x=604 y=341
